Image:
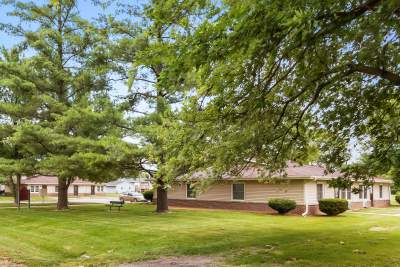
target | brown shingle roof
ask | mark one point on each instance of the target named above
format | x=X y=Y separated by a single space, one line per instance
x=51 y=180
x=292 y=171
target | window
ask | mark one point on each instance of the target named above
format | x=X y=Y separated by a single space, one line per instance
x=56 y=189
x=365 y=193
x=102 y=188
x=238 y=191
x=343 y=194
x=360 y=192
x=380 y=191
x=337 y=193
x=98 y=188
x=320 y=191
x=37 y=188
x=190 y=191
x=32 y=188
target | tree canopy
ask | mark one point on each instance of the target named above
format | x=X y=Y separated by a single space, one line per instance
x=278 y=79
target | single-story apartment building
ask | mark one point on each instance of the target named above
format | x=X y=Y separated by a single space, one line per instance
x=48 y=185
x=128 y=185
x=305 y=184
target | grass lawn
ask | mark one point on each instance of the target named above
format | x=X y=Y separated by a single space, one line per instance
x=89 y=234
x=33 y=198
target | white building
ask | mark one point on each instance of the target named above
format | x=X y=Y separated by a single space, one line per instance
x=128 y=185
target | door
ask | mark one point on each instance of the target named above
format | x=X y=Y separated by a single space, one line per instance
x=44 y=188
x=365 y=197
x=92 y=190
x=76 y=190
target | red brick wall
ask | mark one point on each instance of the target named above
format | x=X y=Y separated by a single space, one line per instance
x=381 y=203
x=233 y=205
x=356 y=205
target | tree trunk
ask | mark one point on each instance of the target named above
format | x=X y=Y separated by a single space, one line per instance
x=63 y=185
x=162 y=198
x=17 y=188
x=13 y=188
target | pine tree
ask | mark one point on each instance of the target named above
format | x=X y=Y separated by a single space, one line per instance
x=18 y=103
x=74 y=133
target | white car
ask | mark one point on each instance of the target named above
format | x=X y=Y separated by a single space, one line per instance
x=132 y=197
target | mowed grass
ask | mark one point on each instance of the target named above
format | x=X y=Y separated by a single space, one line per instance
x=33 y=198
x=90 y=235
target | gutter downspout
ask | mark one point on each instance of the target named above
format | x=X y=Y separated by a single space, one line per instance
x=305 y=201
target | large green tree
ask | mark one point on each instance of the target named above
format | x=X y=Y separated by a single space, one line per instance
x=276 y=78
x=18 y=103
x=74 y=134
x=148 y=46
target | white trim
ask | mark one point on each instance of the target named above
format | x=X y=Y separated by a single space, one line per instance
x=244 y=191
x=305 y=199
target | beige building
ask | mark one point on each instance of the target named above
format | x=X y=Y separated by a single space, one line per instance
x=304 y=184
x=48 y=185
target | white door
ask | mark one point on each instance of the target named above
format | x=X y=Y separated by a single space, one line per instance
x=365 y=197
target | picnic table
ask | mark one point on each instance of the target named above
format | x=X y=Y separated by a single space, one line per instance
x=116 y=204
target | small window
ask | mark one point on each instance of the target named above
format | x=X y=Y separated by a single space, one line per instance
x=337 y=193
x=365 y=193
x=320 y=191
x=37 y=188
x=238 y=191
x=32 y=188
x=190 y=191
x=56 y=189
x=381 y=191
x=349 y=193
x=343 y=194
x=101 y=188
x=360 y=192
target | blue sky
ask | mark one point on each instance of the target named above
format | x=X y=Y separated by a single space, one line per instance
x=86 y=8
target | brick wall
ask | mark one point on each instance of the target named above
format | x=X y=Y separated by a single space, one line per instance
x=233 y=205
x=381 y=203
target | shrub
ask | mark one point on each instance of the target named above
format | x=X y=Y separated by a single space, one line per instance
x=333 y=206
x=397 y=197
x=148 y=195
x=282 y=206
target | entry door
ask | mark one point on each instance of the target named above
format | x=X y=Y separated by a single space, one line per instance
x=92 y=190
x=365 y=197
x=76 y=190
x=44 y=188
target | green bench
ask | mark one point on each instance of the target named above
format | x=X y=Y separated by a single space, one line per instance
x=116 y=204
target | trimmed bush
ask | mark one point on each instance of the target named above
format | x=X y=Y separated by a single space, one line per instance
x=148 y=195
x=397 y=197
x=282 y=206
x=333 y=206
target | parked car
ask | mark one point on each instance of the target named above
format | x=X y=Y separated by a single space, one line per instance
x=132 y=197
